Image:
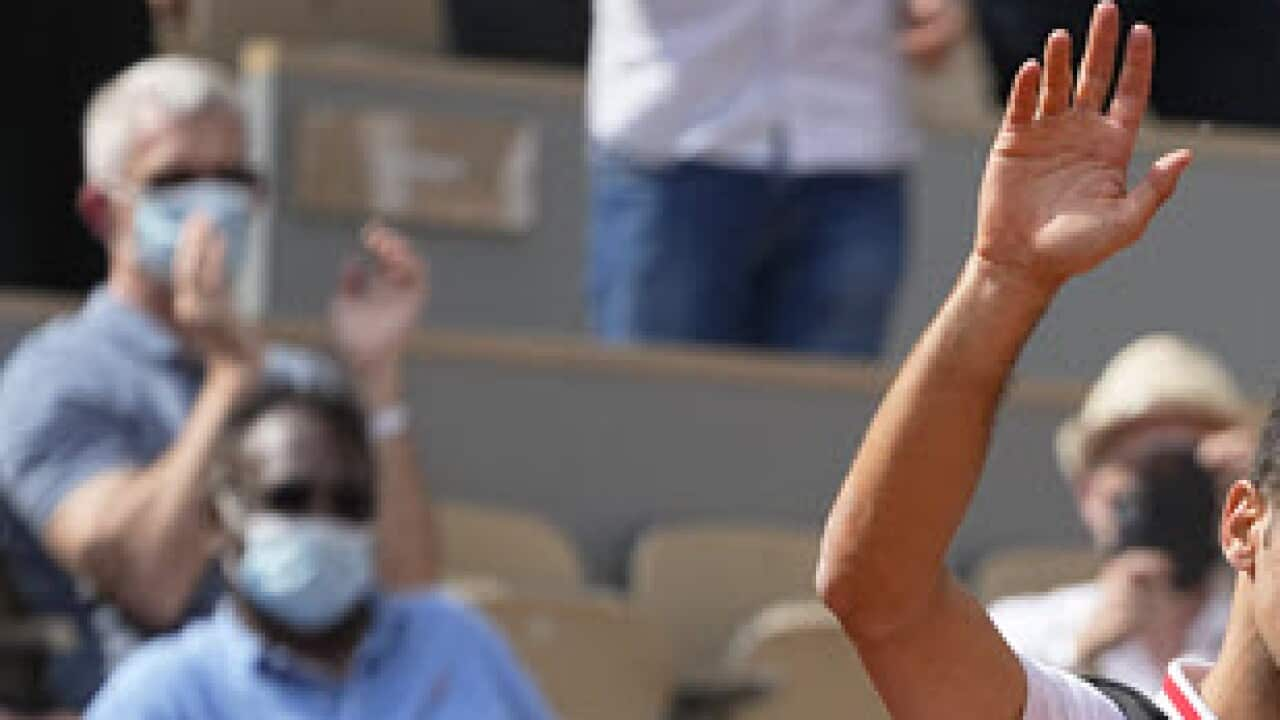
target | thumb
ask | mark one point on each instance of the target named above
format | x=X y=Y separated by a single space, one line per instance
x=1151 y=194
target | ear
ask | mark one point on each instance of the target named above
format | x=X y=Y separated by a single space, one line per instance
x=94 y=205
x=1244 y=522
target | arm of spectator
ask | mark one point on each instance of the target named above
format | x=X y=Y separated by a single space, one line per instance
x=1053 y=205
x=374 y=314
x=141 y=535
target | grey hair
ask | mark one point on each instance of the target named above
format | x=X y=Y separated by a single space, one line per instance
x=169 y=86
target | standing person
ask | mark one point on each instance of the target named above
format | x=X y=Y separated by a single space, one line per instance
x=1150 y=505
x=748 y=167
x=1055 y=203
x=108 y=417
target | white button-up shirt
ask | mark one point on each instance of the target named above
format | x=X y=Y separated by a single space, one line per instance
x=816 y=85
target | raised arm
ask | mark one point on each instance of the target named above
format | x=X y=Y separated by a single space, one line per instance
x=1053 y=205
x=374 y=314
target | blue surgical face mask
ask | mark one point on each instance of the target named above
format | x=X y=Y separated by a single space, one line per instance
x=308 y=573
x=160 y=214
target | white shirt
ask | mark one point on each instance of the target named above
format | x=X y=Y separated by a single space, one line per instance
x=812 y=84
x=1054 y=694
x=1045 y=627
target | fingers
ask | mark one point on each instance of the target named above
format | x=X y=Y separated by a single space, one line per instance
x=1022 y=98
x=199 y=258
x=1098 y=65
x=1055 y=97
x=395 y=255
x=353 y=278
x=1134 y=89
x=1151 y=194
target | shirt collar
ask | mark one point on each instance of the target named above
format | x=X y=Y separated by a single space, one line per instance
x=250 y=652
x=132 y=326
x=1181 y=688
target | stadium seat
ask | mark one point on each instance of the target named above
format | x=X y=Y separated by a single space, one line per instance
x=1032 y=570
x=517 y=547
x=217 y=28
x=806 y=665
x=703 y=581
x=592 y=655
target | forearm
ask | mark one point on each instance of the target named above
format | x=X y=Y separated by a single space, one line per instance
x=151 y=535
x=407 y=543
x=922 y=456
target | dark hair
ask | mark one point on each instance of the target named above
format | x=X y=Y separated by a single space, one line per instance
x=1266 y=464
x=337 y=409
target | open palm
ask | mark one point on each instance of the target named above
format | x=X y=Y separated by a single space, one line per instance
x=376 y=309
x=1055 y=201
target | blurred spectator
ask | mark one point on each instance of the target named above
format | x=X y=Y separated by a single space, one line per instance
x=749 y=167
x=1149 y=503
x=56 y=52
x=304 y=632
x=1217 y=62
x=108 y=417
x=549 y=31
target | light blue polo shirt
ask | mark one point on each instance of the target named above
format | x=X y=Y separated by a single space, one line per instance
x=106 y=388
x=424 y=657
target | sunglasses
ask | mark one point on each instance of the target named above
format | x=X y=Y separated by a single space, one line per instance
x=175 y=177
x=353 y=502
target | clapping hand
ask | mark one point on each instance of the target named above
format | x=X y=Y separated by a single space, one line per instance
x=203 y=304
x=1055 y=201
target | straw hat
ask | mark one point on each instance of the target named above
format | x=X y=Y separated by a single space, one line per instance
x=1153 y=374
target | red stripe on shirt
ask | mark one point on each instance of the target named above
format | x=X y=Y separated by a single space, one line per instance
x=1179 y=699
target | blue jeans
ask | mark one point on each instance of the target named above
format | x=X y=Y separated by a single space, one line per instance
x=695 y=252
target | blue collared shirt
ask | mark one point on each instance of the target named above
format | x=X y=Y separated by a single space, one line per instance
x=423 y=657
x=107 y=388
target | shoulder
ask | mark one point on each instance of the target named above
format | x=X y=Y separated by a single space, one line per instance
x=434 y=606
x=57 y=345
x=47 y=376
x=164 y=674
x=443 y=619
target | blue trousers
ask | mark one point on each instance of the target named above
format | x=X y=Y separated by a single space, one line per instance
x=695 y=252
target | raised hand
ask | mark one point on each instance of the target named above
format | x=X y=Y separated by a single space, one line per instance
x=1137 y=593
x=203 y=307
x=376 y=309
x=1054 y=201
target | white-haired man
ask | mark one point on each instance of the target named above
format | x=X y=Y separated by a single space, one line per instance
x=109 y=416
x=1161 y=594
